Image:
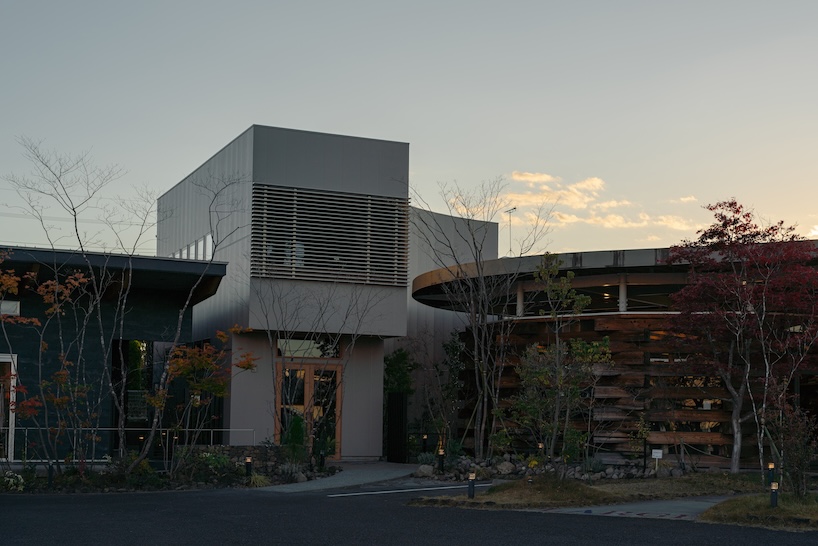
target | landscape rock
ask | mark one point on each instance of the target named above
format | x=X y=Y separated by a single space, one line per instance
x=425 y=471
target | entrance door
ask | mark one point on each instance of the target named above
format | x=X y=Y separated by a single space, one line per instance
x=310 y=394
x=7 y=382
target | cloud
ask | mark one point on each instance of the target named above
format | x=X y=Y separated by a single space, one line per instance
x=813 y=232
x=614 y=221
x=579 y=203
x=687 y=199
x=619 y=221
x=560 y=218
x=540 y=178
x=575 y=196
x=675 y=222
x=605 y=205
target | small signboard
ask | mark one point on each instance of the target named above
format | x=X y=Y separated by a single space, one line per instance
x=656 y=453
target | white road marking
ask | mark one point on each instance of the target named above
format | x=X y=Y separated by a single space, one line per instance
x=388 y=492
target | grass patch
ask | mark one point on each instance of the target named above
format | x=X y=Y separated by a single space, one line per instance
x=545 y=491
x=791 y=513
x=691 y=485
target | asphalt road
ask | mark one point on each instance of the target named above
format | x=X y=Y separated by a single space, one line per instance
x=261 y=517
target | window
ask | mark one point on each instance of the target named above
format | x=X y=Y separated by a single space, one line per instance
x=321 y=347
x=208 y=247
x=10 y=308
x=8 y=373
x=294 y=254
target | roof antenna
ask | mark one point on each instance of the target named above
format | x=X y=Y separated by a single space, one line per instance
x=509 y=211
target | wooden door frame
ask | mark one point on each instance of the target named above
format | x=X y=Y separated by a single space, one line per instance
x=310 y=366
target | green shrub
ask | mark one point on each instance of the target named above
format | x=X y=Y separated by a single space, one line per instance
x=12 y=481
x=426 y=458
x=258 y=480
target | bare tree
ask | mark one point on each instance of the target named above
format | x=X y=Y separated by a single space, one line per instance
x=74 y=185
x=462 y=245
x=318 y=325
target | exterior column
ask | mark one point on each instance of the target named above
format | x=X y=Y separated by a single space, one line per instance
x=520 y=300
x=623 y=294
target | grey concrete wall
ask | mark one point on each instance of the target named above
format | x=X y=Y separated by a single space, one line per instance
x=362 y=410
x=251 y=404
x=297 y=306
x=303 y=159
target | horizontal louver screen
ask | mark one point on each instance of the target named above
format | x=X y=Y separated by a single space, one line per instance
x=329 y=236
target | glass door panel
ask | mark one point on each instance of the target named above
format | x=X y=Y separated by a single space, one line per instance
x=324 y=429
x=293 y=398
x=309 y=398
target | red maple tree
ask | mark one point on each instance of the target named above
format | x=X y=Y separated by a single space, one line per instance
x=749 y=311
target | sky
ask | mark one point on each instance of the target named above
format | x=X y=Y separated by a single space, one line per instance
x=624 y=118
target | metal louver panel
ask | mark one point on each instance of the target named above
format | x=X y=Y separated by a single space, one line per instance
x=330 y=236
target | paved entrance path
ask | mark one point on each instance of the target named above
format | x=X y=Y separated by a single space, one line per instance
x=679 y=509
x=352 y=474
x=355 y=474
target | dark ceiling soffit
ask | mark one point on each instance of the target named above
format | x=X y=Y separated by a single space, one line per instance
x=186 y=272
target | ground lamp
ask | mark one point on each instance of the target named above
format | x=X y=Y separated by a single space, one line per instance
x=248 y=466
x=440 y=456
x=425 y=437
x=770 y=472
x=774 y=495
x=472 y=477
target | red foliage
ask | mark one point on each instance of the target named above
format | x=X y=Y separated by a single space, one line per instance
x=750 y=285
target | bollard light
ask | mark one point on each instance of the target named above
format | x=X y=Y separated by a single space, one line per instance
x=774 y=495
x=472 y=477
x=425 y=445
x=248 y=466
x=770 y=472
x=440 y=456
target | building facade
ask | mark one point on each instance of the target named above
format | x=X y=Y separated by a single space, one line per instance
x=314 y=228
x=71 y=322
x=654 y=394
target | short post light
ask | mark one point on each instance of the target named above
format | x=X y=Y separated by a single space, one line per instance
x=472 y=477
x=248 y=466
x=774 y=495
x=770 y=472
x=425 y=443
x=441 y=453
x=540 y=446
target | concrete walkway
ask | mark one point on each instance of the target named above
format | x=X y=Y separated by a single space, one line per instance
x=352 y=474
x=375 y=472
